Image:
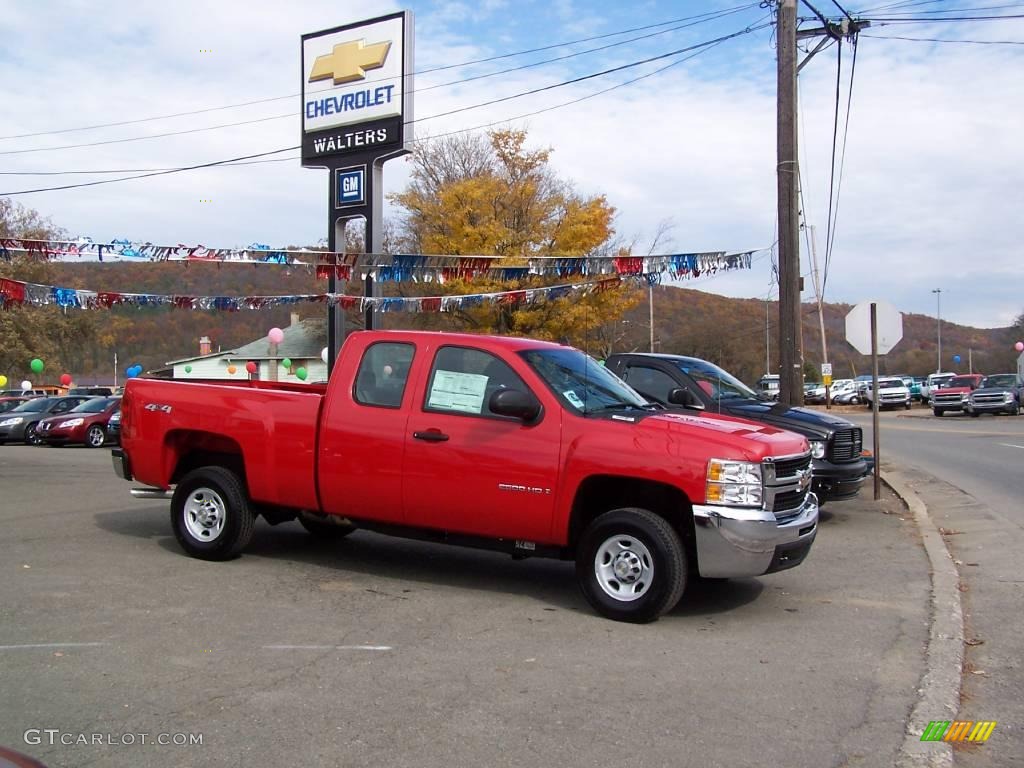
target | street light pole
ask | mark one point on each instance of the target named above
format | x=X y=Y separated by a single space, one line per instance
x=938 y=326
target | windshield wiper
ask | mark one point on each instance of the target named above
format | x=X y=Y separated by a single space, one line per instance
x=619 y=407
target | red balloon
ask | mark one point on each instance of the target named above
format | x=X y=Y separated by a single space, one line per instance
x=250 y=367
x=65 y=379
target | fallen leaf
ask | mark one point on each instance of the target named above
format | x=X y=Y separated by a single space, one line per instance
x=57 y=653
x=26 y=566
x=974 y=642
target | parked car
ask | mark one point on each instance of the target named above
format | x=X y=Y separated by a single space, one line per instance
x=836 y=444
x=953 y=396
x=8 y=403
x=94 y=391
x=38 y=392
x=892 y=393
x=114 y=427
x=998 y=393
x=85 y=423
x=933 y=383
x=19 y=424
x=520 y=446
x=814 y=393
x=768 y=385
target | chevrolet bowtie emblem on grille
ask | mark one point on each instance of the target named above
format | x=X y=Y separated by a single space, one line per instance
x=349 y=61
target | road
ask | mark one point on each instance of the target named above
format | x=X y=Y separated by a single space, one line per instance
x=969 y=473
x=383 y=652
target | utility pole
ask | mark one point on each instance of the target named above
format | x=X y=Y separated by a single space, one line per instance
x=790 y=330
x=790 y=364
x=650 y=308
x=767 y=342
x=938 y=327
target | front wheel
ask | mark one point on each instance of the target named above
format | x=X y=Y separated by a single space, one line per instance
x=32 y=436
x=631 y=565
x=938 y=411
x=210 y=514
x=96 y=436
x=907 y=406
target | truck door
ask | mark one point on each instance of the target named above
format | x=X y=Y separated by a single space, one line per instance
x=472 y=471
x=362 y=437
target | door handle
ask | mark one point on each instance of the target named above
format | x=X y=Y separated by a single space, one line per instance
x=431 y=436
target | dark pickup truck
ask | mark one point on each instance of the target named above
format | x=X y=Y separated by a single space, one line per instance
x=836 y=444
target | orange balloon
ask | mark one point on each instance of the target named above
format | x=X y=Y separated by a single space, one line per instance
x=232 y=369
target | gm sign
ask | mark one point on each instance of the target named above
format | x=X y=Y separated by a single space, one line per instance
x=350 y=186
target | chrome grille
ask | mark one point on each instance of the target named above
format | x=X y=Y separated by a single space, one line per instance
x=790 y=468
x=846 y=445
x=994 y=397
x=947 y=399
x=786 y=484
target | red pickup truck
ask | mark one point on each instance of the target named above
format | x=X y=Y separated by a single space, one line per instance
x=515 y=445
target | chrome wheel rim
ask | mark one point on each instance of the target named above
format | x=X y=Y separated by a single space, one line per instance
x=205 y=514
x=32 y=435
x=624 y=568
x=95 y=437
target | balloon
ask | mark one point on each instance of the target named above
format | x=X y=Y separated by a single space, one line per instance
x=188 y=369
x=1019 y=346
x=36 y=365
x=65 y=379
x=3 y=381
x=130 y=371
x=287 y=363
x=232 y=369
x=276 y=335
x=301 y=373
x=26 y=385
x=323 y=354
x=250 y=367
x=956 y=358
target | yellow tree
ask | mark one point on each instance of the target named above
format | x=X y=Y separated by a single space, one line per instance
x=491 y=195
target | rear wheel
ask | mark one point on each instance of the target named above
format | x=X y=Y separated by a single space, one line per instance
x=96 y=436
x=631 y=565
x=210 y=514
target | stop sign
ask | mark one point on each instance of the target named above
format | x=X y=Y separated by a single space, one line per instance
x=858 y=326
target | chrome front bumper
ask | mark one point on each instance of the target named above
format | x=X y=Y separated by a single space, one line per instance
x=733 y=543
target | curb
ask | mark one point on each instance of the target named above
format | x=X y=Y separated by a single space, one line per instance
x=939 y=692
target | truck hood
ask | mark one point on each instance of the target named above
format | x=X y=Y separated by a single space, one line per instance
x=993 y=390
x=729 y=436
x=954 y=391
x=800 y=420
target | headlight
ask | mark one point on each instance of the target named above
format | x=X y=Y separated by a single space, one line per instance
x=817 y=449
x=1007 y=397
x=963 y=398
x=11 y=422
x=736 y=483
x=115 y=417
x=70 y=423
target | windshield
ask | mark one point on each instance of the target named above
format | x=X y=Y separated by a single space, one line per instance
x=35 y=406
x=581 y=382
x=715 y=382
x=889 y=383
x=96 y=405
x=961 y=381
x=1000 y=380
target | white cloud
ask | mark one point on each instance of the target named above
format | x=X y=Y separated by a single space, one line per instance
x=928 y=193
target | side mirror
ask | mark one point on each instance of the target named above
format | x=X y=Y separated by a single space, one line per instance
x=685 y=398
x=514 y=403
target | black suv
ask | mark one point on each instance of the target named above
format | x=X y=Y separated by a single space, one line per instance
x=836 y=444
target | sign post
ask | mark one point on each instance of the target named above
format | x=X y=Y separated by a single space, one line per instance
x=826 y=379
x=874 y=328
x=357 y=110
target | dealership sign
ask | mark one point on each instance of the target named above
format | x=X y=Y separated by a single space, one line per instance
x=357 y=88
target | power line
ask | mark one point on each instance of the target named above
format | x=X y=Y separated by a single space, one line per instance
x=702 y=47
x=292 y=114
x=129 y=170
x=714 y=16
x=945 y=40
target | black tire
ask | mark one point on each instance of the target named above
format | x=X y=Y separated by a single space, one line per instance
x=96 y=433
x=974 y=414
x=214 y=500
x=32 y=436
x=938 y=411
x=854 y=400
x=645 y=541
x=325 y=529
x=907 y=406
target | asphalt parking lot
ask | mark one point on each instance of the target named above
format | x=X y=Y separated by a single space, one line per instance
x=378 y=651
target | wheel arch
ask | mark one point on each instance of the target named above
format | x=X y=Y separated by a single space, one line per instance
x=186 y=450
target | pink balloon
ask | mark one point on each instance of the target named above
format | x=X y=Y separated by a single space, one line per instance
x=1019 y=346
x=276 y=335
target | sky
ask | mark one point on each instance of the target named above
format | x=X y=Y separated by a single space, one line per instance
x=930 y=179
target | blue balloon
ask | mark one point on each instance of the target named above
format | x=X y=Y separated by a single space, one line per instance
x=956 y=358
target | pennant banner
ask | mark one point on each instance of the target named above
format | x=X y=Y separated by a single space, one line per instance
x=15 y=293
x=381 y=267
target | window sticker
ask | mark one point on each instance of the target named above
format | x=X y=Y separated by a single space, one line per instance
x=573 y=398
x=457 y=391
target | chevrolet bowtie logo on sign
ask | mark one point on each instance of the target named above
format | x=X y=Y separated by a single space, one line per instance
x=349 y=61
x=357 y=88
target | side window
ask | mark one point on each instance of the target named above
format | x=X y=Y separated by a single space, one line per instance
x=383 y=374
x=63 y=405
x=462 y=380
x=650 y=382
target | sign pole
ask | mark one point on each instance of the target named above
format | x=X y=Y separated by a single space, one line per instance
x=874 y=400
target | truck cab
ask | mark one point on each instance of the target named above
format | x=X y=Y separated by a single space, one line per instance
x=954 y=395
